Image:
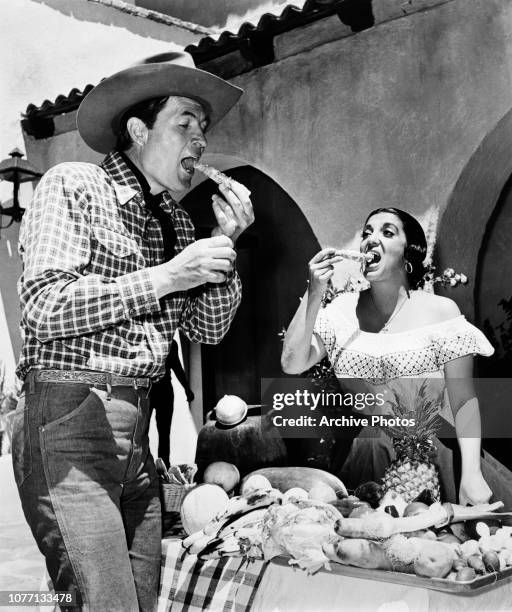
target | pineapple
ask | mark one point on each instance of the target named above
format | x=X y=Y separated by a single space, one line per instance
x=414 y=469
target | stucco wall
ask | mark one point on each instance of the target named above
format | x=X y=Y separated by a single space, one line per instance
x=389 y=116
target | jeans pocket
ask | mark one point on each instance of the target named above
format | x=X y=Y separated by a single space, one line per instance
x=21 y=447
x=64 y=401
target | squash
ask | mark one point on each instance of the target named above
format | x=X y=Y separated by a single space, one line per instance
x=285 y=478
x=200 y=505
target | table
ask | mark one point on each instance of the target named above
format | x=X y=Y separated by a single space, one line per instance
x=235 y=585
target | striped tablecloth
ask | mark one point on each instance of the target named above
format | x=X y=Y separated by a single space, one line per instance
x=187 y=583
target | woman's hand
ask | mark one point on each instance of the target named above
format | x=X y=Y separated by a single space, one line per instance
x=473 y=489
x=321 y=269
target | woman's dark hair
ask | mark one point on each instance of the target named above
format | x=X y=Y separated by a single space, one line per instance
x=147 y=111
x=416 y=244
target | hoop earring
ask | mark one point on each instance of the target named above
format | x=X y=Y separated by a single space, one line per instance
x=408 y=267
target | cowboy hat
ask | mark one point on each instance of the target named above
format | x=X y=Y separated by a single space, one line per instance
x=167 y=74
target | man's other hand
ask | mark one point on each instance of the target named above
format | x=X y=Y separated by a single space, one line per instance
x=234 y=212
x=205 y=261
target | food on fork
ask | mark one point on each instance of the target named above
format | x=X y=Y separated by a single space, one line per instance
x=356 y=255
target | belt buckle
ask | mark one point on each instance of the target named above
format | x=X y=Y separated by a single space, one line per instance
x=139 y=383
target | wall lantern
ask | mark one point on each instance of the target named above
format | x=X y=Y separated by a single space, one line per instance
x=16 y=170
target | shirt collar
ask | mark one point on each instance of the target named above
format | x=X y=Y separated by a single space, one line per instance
x=128 y=180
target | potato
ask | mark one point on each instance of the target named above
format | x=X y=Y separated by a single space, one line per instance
x=434 y=560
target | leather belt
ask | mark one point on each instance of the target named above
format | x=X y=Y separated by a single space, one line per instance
x=91 y=378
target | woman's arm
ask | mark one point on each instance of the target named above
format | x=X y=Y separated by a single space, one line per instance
x=301 y=348
x=466 y=411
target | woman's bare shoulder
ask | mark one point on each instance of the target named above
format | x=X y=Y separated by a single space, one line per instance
x=438 y=307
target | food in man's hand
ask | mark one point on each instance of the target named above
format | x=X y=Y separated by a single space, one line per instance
x=370 y=492
x=222 y=473
x=217 y=176
x=200 y=505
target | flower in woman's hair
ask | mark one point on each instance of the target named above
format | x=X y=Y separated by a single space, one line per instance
x=463 y=279
x=449 y=273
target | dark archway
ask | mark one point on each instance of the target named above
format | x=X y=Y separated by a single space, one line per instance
x=463 y=224
x=272 y=263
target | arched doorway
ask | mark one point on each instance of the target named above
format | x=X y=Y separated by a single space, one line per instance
x=463 y=225
x=493 y=292
x=272 y=263
x=474 y=238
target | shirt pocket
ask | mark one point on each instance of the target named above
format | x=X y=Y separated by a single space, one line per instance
x=114 y=242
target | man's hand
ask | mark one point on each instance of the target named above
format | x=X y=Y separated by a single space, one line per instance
x=234 y=212
x=204 y=261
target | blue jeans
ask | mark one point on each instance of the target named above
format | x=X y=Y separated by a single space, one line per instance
x=89 y=491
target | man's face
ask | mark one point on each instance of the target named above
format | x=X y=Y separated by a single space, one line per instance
x=178 y=133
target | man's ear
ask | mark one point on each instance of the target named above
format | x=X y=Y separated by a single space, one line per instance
x=138 y=130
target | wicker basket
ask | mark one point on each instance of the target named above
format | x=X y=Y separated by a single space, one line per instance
x=172 y=495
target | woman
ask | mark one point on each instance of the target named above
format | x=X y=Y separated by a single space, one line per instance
x=395 y=330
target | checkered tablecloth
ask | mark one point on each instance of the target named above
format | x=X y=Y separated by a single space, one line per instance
x=188 y=584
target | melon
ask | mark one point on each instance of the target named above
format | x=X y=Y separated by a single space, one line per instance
x=285 y=478
x=200 y=505
x=295 y=494
x=257 y=482
x=322 y=492
x=222 y=473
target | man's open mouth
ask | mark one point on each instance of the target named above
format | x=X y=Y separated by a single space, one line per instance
x=188 y=164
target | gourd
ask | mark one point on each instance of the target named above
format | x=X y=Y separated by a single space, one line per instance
x=200 y=505
x=285 y=478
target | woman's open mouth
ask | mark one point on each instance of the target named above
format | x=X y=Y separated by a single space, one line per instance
x=376 y=257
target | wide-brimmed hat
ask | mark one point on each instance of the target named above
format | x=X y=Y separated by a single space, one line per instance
x=167 y=74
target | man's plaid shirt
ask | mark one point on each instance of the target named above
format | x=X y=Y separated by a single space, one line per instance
x=86 y=296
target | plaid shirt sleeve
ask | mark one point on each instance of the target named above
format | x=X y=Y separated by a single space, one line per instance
x=57 y=299
x=207 y=314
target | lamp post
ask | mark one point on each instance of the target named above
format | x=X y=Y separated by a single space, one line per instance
x=16 y=170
